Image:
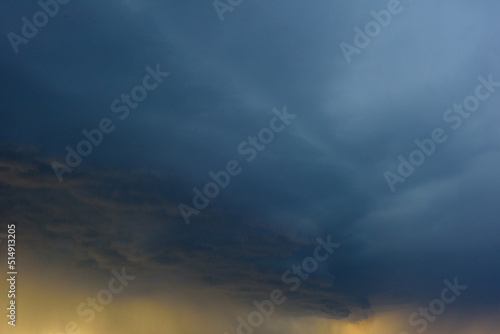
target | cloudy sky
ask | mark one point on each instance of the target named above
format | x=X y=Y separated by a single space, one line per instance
x=201 y=149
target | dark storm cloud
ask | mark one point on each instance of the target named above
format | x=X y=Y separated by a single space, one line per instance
x=322 y=175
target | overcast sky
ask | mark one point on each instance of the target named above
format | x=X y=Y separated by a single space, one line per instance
x=334 y=135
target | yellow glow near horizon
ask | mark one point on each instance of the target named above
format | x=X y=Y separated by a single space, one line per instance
x=46 y=305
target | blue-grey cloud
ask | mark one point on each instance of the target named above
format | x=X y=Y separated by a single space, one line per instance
x=324 y=174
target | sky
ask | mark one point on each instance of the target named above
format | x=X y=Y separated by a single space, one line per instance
x=238 y=166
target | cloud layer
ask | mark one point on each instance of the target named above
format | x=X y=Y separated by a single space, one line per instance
x=323 y=175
